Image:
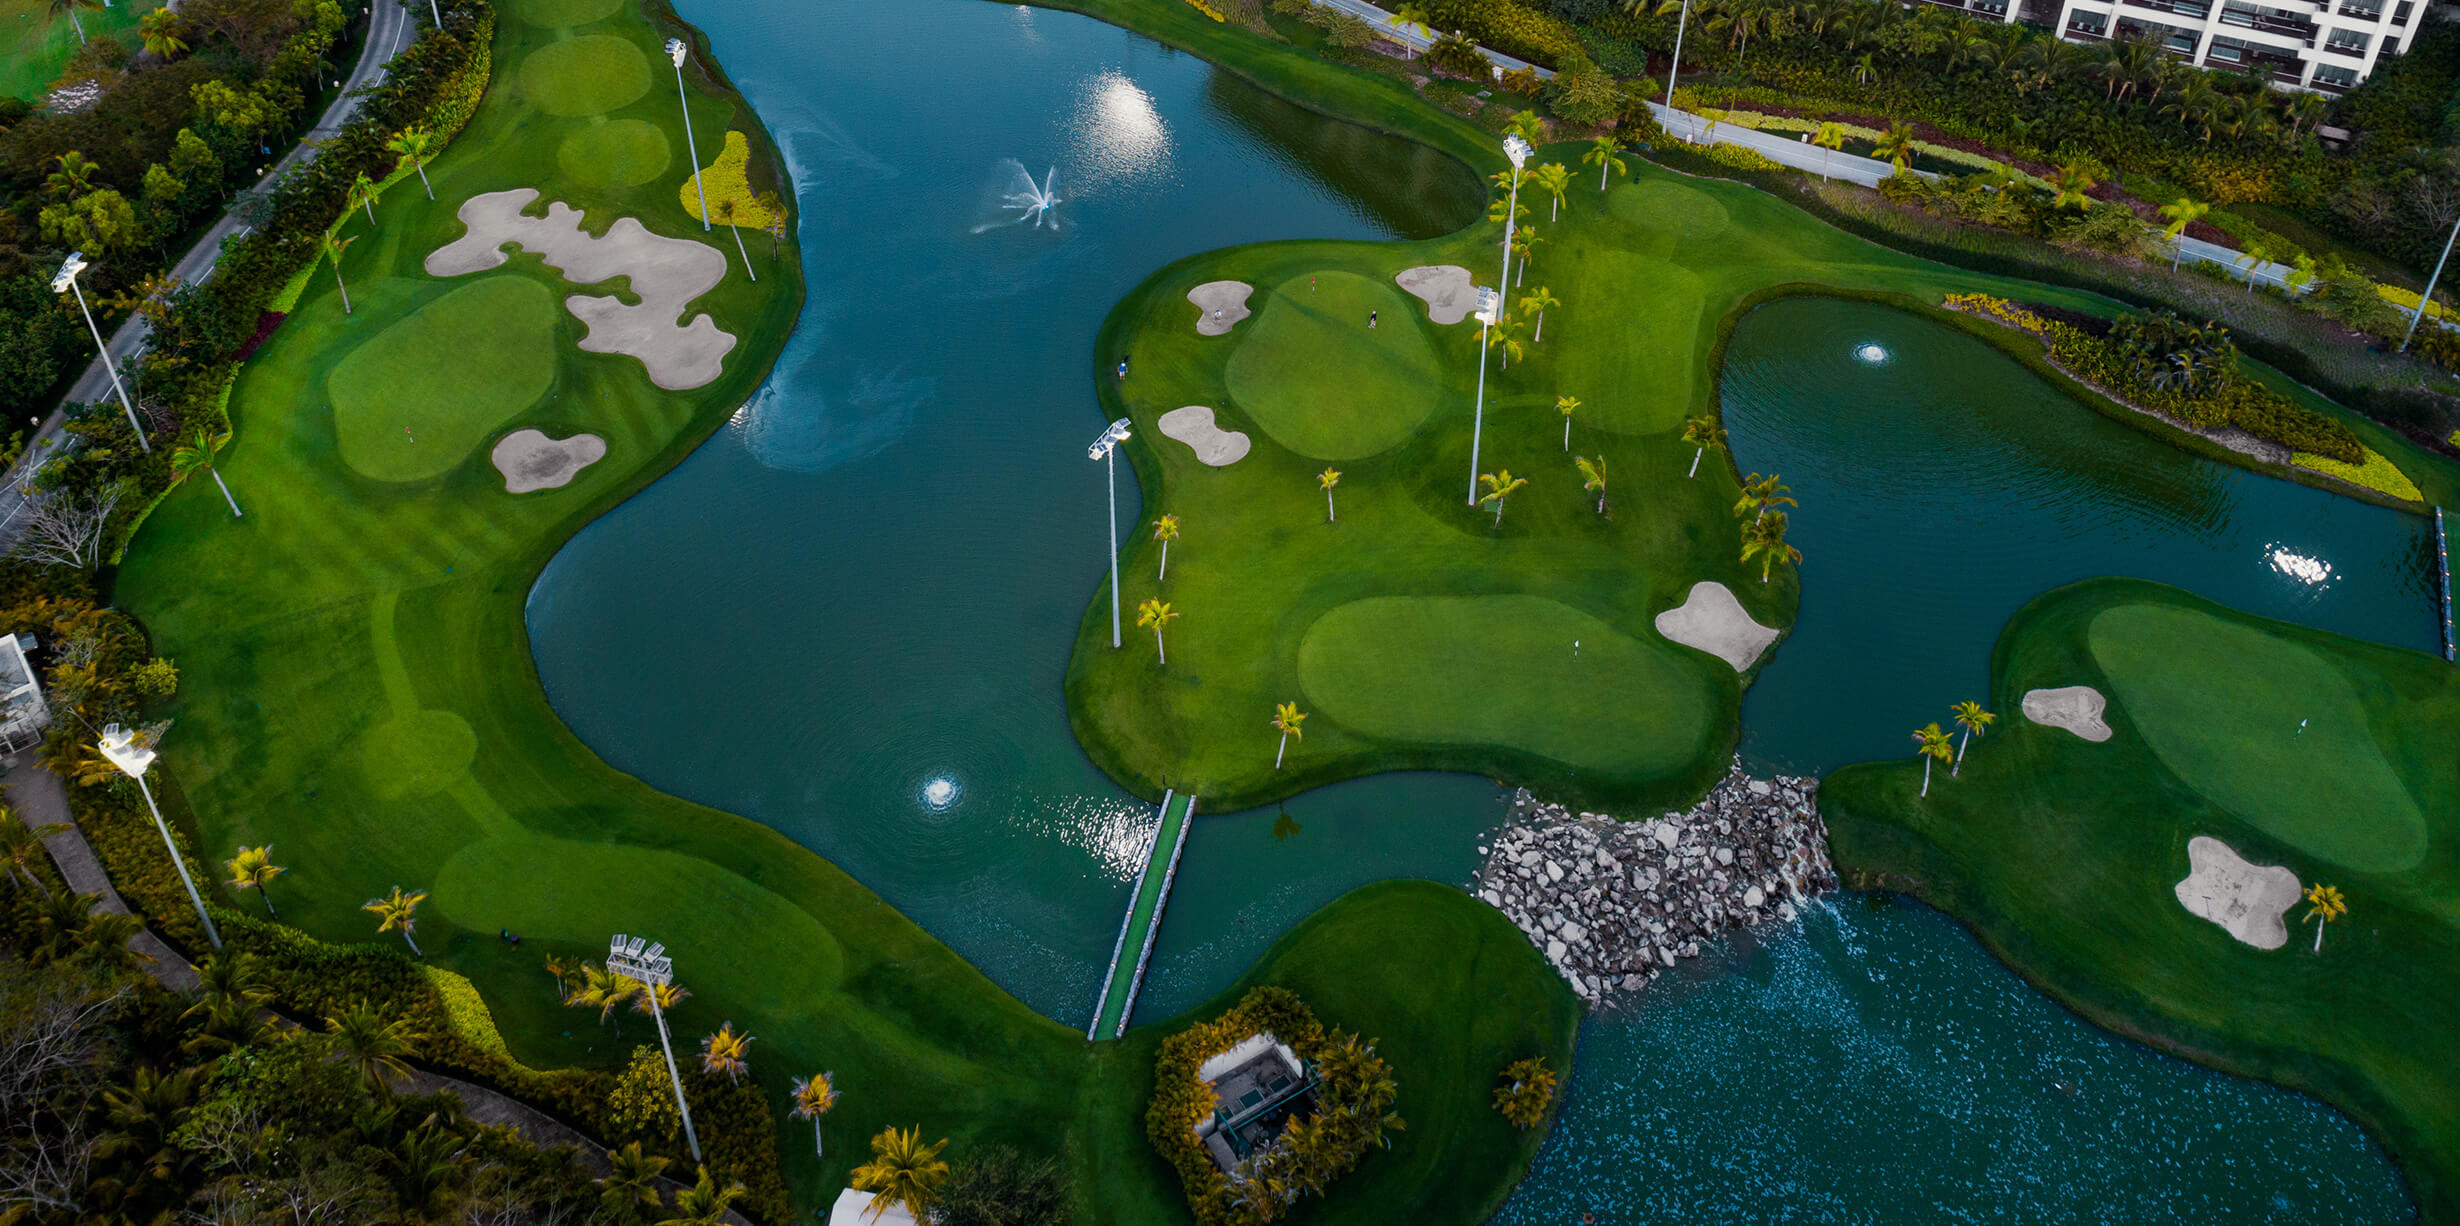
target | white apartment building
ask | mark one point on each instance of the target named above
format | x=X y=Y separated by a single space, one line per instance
x=2308 y=44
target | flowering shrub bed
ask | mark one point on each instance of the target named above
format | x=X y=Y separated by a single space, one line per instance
x=2375 y=473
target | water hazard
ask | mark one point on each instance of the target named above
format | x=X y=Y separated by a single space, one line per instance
x=863 y=593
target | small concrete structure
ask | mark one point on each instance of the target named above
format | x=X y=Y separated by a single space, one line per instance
x=1220 y=305
x=2246 y=900
x=853 y=1208
x=1259 y=1086
x=23 y=712
x=1448 y=290
x=1194 y=426
x=2076 y=708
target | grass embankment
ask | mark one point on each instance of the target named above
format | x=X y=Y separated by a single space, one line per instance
x=2328 y=755
x=359 y=693
x=1414 y=630
x=35 y=46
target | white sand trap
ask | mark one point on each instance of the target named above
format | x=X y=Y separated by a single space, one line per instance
x=1194 y=426
x=1220 y=305
x=1713 y=621
x=666 y=275
x=531 y=461
x=2246 y=900
x=2077 y=708
x=1450 y=293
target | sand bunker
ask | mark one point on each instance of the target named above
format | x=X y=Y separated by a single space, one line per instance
x=666 y=275
x=2077 y=708
x=531 y=461
x=1220 y=305
x=1194 y=426
x=2246 y=900
x=1713 y=621
x=1448 y=289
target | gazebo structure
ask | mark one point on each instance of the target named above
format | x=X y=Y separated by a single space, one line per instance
x=23 y=713
x=1259 y=1086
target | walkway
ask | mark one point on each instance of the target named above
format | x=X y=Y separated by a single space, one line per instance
x=390 y=31
x=1144 y=916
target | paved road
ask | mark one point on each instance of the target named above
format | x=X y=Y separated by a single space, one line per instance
x=390 y=31
x=1412 y=37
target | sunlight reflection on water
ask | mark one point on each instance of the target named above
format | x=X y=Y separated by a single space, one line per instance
x=1116 y=135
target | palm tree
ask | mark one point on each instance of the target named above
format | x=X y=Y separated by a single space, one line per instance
x=1165 y=530
x=1593 y=478
x=1536 y=302
x=415 y=146
x=631 y=1179
x=196 y=450
x=1932 y=744
x=602 y=990
x=1504 y=334
x=1524 y=245
x=1328 y=478
x=253 y=869
x=650 y=999
x=1153 y=615
x=71 y=9
x=163 y=34
x=730 y=210
x=2074 y=184
x=2305 y=110
x=1500 y=485
x=1553 y=177
x=902 y=1171
x=1866 y=70
x=1604 y=153
x=726 y=1052
x=1764 y=538
x=1975 y=721
x=1761 y=495
x=1702 y=433
x=335 y=247
x=363 y=195
x=2182 y=212
x=1895 y=146
x=1410 y=16
x=1527 y=126
x=2328 y=906
x=813 y=1097
x=705 y=1203
x=20 y=842
x=1831 y=137
x=377 y=1046
x=1565 y=405
x=75 y=176
x=397 y=912
x=1287 y=718
x=768 y=205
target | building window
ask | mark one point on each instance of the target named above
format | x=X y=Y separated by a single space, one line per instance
x=2336 y=76
x=2348 y=42
x=2095 y=24
x=2400 y=15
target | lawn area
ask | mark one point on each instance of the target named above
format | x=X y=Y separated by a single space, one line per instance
x=358 y=692
x=1414 y=630
x=35 y=46
x=2327 y=755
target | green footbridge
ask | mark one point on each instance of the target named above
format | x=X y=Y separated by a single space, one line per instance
x=1143 y=919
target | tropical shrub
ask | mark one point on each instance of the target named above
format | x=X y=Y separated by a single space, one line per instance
x=1528 y=1089
x=1000 y=1187
x=2373 y=472
x=1510 y=28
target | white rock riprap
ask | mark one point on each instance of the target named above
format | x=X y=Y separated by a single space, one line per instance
x=1194 y=426
x=1713 y=621
x=1612 y=903
x=531 y=461
x=2076 y=708
x=1220 y=305
x=1448 y=290
x=2246 y=900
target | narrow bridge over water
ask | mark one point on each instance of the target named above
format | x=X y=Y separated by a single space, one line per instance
x=1143 y=921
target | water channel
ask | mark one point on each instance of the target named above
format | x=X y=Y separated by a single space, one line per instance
x=883 y=558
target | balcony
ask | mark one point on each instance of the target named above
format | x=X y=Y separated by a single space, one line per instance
x=2182 y=8
x=2270 y=23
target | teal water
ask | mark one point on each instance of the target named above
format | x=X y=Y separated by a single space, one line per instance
x=866 y=586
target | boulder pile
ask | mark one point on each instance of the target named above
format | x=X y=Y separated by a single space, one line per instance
x=1614 y=902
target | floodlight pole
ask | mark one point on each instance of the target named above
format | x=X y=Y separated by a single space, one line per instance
x=132 y=758
x=67 y=281
x=675 y=50
x=2424 y=298
x=1518 y=150
x=1477 y=420
x=624 y=956
x=1106 y=449
x=1675 y=65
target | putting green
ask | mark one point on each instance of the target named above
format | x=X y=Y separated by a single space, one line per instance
x=1500 y=670
x=1656 y=204
x=1320 y=382
x=418 y=754
x=588 y=75
x=559 y=14
x=2263 y=727
x=619 y=153
x=416 y=400
x=571 y=890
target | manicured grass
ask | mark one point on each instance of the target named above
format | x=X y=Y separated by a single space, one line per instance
x=587 y=75
x=416 y=399
x=34 y=46
x=620 y=153
x=358 y=692
x=2062 y=854
x=1322 y=383
x=2266 y=728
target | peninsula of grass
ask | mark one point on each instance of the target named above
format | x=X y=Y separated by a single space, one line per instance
x=358 y=692
x=2326 y=755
